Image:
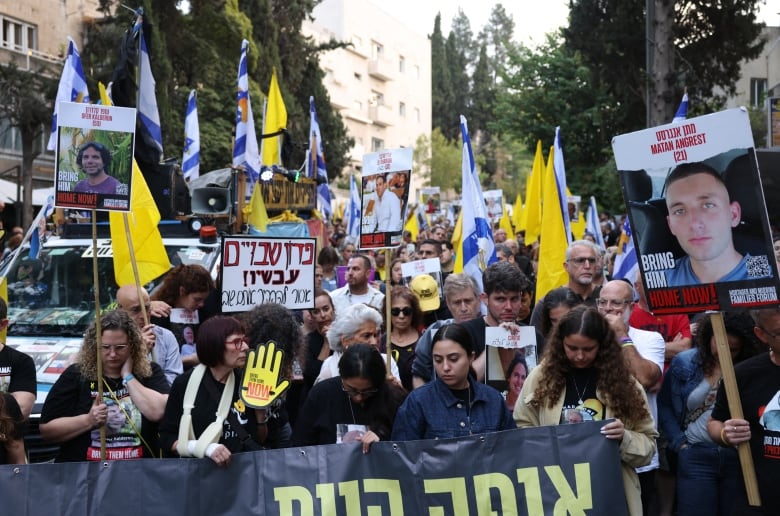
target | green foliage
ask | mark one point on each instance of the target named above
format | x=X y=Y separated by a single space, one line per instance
x=440 y=160
x=442 y=95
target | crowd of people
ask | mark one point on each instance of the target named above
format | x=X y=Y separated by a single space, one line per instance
x=419 y=371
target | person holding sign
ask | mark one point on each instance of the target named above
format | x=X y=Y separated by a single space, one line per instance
x=72 y=415
x=701 y=217
x=189 y=427
x=583 y=370
x=94 y=159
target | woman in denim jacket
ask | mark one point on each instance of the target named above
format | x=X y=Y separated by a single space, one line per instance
x=454 y=404
x=707 y=474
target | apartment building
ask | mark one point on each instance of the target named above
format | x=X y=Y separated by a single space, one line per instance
x=380 y=83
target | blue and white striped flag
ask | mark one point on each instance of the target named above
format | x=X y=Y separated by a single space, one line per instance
x=592 y=224
x=682 y=110
x=560 y=181
x=478 y=245
x=353 y=211
x=245 y=151
x=626 y=264
x=191 y=158
x=72 y=88
x=147 y=101
x=39 y=227
x=318 y=160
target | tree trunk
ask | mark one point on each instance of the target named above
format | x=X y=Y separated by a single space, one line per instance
x=662 y=79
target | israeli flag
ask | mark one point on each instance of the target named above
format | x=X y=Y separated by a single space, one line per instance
x=353 y=215
x=72 y=88
x=478 y=245
x=682 y=110
x=245 y=150
x=592 y=223
x=318 y=159
x=191 y=158
x=147 y=101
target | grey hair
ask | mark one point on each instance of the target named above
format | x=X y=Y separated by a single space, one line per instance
x=459 y=282
x=583 y=243
x=348 y=321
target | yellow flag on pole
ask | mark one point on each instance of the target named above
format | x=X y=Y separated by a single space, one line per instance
x=506 y=224
x=553 y=243
x=275 y=120
x=517 y=213
x=457 y=243
x=258 y=216
x=533 y=197
x=412 y=226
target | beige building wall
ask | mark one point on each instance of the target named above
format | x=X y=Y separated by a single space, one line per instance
x=381 y=84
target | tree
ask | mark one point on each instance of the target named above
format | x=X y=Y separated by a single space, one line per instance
x=25 y=106
x=497 y=35
x=442 y=96
x=460 y=53
x=440 y=158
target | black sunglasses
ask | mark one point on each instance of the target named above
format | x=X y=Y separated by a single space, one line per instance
x=398 y=311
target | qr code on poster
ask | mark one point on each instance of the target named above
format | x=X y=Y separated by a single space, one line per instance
x=758 y=266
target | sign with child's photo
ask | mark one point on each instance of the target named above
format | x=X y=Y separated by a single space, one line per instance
x=510 y=355
x=695 y=202
x=384 y=197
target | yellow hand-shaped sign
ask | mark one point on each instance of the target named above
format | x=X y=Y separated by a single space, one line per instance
x=261 y=385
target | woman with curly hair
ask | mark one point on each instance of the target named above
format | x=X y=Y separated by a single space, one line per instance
x=583 y=377
x=11 y=431
x=178 y=303
x=72 y=415
x=707 y=473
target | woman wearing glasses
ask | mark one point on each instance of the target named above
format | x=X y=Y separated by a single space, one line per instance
x=218 y=423
x=454 y=404
x=72 y=415
x=406 y=319
x=317 y=349
x=361 y=399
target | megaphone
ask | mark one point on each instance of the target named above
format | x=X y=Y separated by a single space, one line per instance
x=211 y=200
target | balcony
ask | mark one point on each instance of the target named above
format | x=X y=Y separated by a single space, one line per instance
x=381 y=68
x=380 y=115
x=30 y=60
x=340 y=97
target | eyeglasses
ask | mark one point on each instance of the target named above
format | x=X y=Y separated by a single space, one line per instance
x=398 y=311
x=353 y=393
x=238 y=342
x=582 y=261
x=324 y=310
x=769 y=333
x=615 y=303
x=117 y=348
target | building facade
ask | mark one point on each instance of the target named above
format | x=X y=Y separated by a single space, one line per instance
x=380 y=83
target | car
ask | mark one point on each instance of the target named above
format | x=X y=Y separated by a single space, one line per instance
x=52 y=299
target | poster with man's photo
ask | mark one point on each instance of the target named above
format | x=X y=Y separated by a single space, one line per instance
x=696 y=206
x=494 y=202
x=384 y=194
x=94 y=157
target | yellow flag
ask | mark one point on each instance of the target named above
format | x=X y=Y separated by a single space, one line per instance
x=150 y=256
x=506 y=224
x=553 y=243
x=258 y=216
x=275 y=120
x=457 y=243
x=533 y=197
x=142 y=231
x=517 y=213
x=412 y=226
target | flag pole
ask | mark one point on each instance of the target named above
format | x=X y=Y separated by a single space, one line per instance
x=388 y=318
x=98 y=336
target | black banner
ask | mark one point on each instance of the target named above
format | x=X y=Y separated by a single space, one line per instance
x=546 y=470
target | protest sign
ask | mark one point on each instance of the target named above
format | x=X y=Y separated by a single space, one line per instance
x=257 y=270
x=94 y=156
x=384 y=195
x=697 y=210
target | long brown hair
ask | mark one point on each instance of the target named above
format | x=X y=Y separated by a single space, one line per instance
x=615 y=382
x=192 y=278
x=9 y=427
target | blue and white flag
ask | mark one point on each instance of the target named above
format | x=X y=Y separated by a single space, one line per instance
x=560 y=181
x=39 y=227
x=246 y=153
x=147 y=101
x=478 y=245
x=626 y=264
x=72 y=88
x=353 y=211
x=191 y=157
x=592 y=224
x=682 y=110
x=318 y=160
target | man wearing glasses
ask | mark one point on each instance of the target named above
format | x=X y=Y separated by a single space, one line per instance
x=583 y=260
x=160 y=341
x=643 y=352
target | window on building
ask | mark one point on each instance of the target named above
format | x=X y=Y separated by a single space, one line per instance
x=377 y=50
x=377 y=98
x=357 y=106
x=401 y=109
x=377 y=144
x=18 y=35
x=358 y=76
x=401 y=64
x=757 y=91
x=417 y=115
